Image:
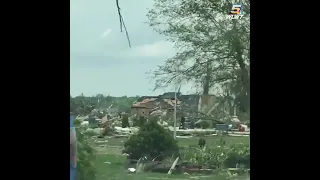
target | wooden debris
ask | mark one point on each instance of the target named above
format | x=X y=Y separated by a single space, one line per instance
x=173 y=165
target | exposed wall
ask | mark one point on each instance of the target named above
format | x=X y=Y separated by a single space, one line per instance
x=140 y=111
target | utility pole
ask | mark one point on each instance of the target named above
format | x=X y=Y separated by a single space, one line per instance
x=175 y=114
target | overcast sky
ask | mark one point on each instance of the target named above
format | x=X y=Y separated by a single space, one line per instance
x=100 y=59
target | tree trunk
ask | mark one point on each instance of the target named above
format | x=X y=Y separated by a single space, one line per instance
x=206 y=87
x=245 y=79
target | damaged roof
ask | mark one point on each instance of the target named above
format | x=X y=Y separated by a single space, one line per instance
x=143 y=103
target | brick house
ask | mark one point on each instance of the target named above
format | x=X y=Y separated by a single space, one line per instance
x=147 y=104
x=143 y=107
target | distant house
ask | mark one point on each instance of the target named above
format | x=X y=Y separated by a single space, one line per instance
x=143 y=106
x=187 y=105
x=147 y=104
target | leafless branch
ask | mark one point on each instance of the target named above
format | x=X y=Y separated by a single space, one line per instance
x=122 y=23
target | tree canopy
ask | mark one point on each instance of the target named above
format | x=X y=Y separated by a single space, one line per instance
x=212 y=52
x=83 y=105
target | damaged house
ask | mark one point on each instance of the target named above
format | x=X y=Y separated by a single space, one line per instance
x=146 y=105
x=149 y=104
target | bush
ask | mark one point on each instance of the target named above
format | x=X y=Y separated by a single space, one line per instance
x=238 y=156
x=182 y=123
x=93 y=126
x=86 y=155
x=125 y=122
x=219 y=157
x=151 y=141
x=201 y=142
x=92 y=121
x=139 y=122
x=203 y=125
x=77 y=122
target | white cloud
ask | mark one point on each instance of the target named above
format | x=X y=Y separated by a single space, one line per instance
x=156 y=49
x=106 y=33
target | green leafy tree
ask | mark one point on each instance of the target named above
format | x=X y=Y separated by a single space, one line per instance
x=83 y=105
x=152 y=140
x=213 y=52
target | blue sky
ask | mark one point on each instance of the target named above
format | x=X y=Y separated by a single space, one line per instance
x=100 y=59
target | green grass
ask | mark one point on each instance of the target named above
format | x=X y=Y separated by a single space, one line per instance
x=210 y=141
x=110 y=164
x=114 y=170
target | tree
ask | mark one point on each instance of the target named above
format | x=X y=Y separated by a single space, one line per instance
x=125 y=122
x=83 y=105
x=80 y=106
x=152 y=140
x=213 y=51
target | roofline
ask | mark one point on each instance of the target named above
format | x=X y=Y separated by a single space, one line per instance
x=140 y=107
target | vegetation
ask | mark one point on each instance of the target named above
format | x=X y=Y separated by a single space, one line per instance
x=83 y=105
x=139 y=122
x=213 y=53
x=202 y=143
x=203 y=125
x=114 y=170
x=151 y=141
x=211 y=141
x=217 y=153
x=222 y=156
x=125 y=122
x=86 y=154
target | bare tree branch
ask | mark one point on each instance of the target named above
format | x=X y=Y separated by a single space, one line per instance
x=122 y=23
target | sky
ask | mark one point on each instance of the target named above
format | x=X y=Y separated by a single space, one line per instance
x=101 y=61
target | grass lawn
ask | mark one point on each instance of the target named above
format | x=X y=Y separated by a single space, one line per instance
x=110 y=162
x=210 y=141
x=111 y=167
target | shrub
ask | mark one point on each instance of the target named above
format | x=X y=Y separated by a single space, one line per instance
x=86 y=155
x=92 y=120
x=125 y=122
x=151 y=141
x=139 y=122
x=77 y=122
x=192 y=125
x=203 y=125
x=238 y=156
x=182 y=123
x=201 y=142
x=93 y=126
x=219 y=157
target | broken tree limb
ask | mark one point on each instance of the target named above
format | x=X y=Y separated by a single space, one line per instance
x=173 y=165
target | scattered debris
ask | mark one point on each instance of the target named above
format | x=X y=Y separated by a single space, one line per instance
x=85 y=123
x=173 y=165
x=131 y=170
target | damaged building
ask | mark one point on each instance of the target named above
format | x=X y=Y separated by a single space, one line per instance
x=146 y=105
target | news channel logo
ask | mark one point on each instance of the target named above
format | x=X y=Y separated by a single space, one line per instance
x=236 y=12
